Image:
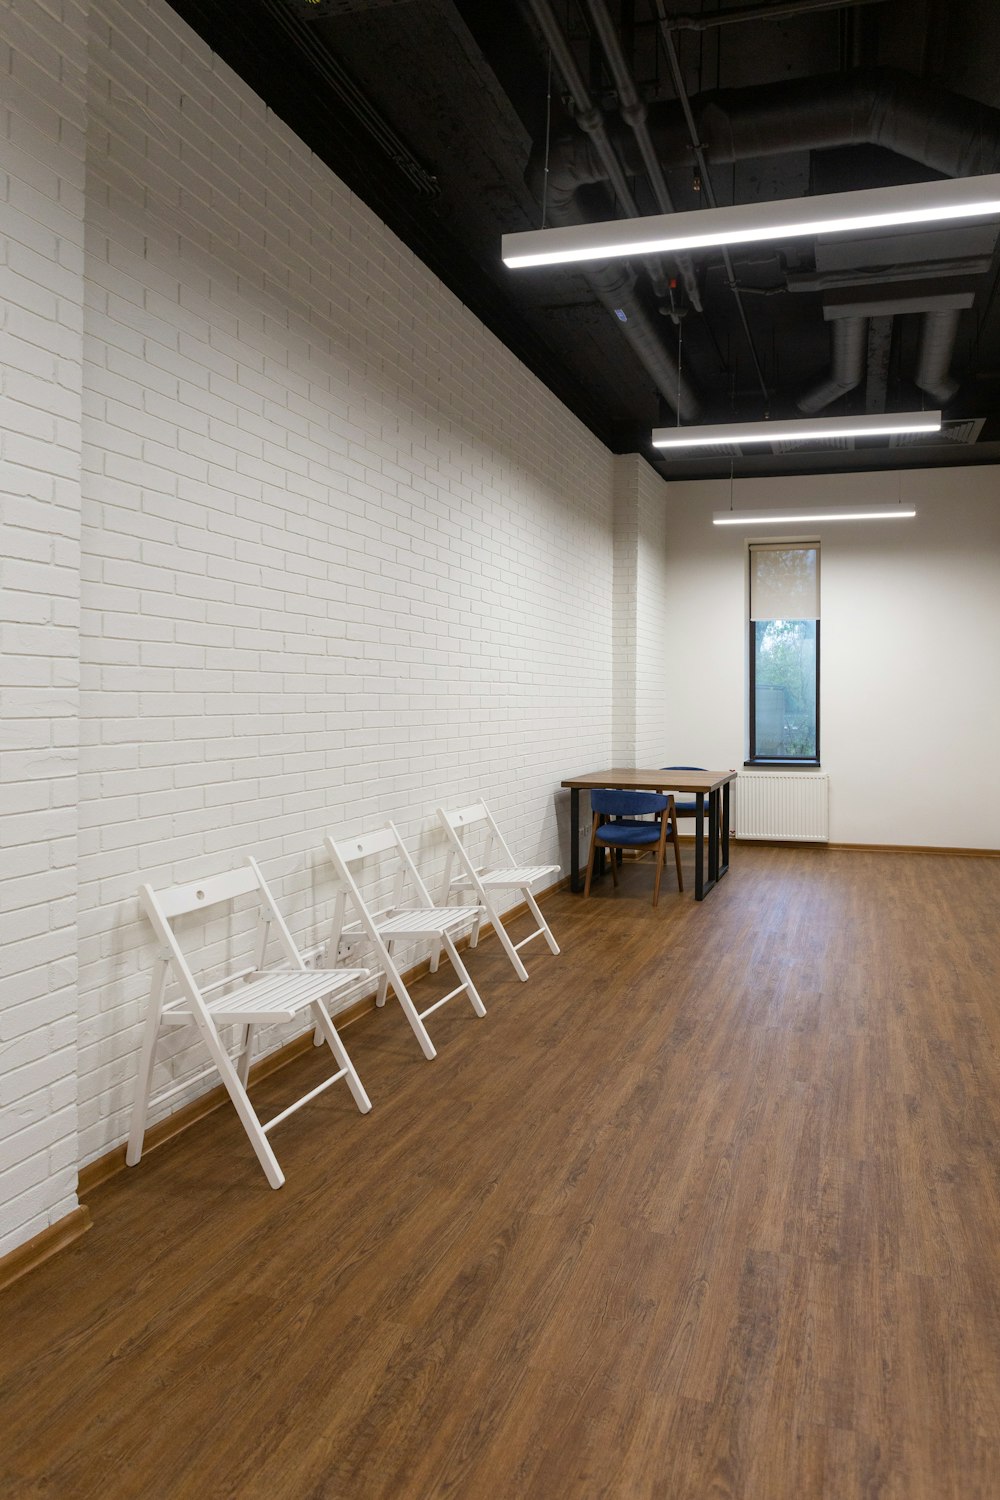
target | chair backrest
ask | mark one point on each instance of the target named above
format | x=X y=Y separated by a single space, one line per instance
x=349 y=853
x=476 y=817
x=682 y=768
x=627 y=804
x=162 y=907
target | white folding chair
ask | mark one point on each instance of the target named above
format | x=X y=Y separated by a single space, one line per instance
x=487 y=878
x=396 y=921
x=246 y=998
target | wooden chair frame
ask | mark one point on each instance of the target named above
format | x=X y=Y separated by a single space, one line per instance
x=665 y=816
x=487 y=878
x=247 y=998
x=387 y=926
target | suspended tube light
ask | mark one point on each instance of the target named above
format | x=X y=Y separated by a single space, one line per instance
x=800 y=430
x=748 y=223
x=809 y=514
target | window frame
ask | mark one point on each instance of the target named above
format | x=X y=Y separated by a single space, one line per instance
x=786 y=762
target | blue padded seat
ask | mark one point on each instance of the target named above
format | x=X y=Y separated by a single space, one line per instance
x=632 y=835
x=627 y=805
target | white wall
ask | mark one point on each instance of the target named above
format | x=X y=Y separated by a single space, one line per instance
x=652 y=700
x=910 y=716
x=641 y=712
x=343 y=557
x=41 y=296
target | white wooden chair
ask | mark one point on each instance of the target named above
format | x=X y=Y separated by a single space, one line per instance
x=487 y=878
x=246 y=998
x=385 y=927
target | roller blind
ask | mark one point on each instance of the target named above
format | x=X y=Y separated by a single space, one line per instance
x=784 y=581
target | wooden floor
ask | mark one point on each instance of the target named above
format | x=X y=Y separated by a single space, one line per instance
x=709 y=1207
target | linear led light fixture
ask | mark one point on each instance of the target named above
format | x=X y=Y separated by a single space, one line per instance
x=816 y=513
x=797 y=431
x=700 y=229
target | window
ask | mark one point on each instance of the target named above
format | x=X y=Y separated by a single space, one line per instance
x=784 y=651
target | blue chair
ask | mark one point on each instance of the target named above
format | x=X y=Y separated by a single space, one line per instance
x=688 y=809
x=609 y=834
x=685 y=809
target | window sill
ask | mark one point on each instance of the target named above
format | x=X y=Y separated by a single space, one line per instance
x=763 y=764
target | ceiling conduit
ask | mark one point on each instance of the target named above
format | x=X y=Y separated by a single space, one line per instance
x=590 y=159
x=942 y=130
x=633 y=112
x=937 y=340
x=849 y=339
x=908 y=115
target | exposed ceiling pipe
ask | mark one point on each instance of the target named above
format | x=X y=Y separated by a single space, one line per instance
x=706 y=183
x=770 y=12
x=591 y=119
x=586 y=159
x=849 y=346
x=937 y=342
x=633 y=112
x=942 y=130
x=883 y=107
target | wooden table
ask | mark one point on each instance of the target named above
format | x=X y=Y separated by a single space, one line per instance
x=713 y=785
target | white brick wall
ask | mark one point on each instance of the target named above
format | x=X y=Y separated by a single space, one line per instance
x=42 y=62
x=624 y=607
x=343 y=556
x=655 y=643
x=642 y=642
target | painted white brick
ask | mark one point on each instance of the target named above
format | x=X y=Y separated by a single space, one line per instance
x=41 y=353
x=342 y=555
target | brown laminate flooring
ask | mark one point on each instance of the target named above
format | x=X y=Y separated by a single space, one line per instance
x=709 y=1207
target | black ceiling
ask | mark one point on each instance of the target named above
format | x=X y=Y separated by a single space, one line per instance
x=439 y=114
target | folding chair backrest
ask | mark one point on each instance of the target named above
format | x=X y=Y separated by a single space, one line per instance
x=162 y=907
x=476 y=814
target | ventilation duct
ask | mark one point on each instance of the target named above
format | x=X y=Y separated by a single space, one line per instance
x=849 y=339
x=937 y=340
x=943 y=131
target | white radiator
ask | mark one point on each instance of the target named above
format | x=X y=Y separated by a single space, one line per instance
x=782 y=805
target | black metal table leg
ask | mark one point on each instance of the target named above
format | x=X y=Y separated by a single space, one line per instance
x=574 y=839
x=713 y=836
x=699 y=849
x=725 y=830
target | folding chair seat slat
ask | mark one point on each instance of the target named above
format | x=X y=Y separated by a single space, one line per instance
x=272 y=996
x=519 y=875
x=487 y=877
x=428 y=921
x=282 y=995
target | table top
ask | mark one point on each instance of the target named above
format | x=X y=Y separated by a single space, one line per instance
x=633 y=780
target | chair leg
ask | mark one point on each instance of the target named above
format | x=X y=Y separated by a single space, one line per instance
x=325 y=1024
x=147 y=1065
x=590 y=856
x=613 y=857
x=383 y=979
x=546 y=930
x=677 y=859
x=661 y=854
x=505 y=942
x=245 y=1110
x=389 y=971
x=246 y=1051
x=464 y=975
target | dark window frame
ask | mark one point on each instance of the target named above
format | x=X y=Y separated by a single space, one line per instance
x=787 y=762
